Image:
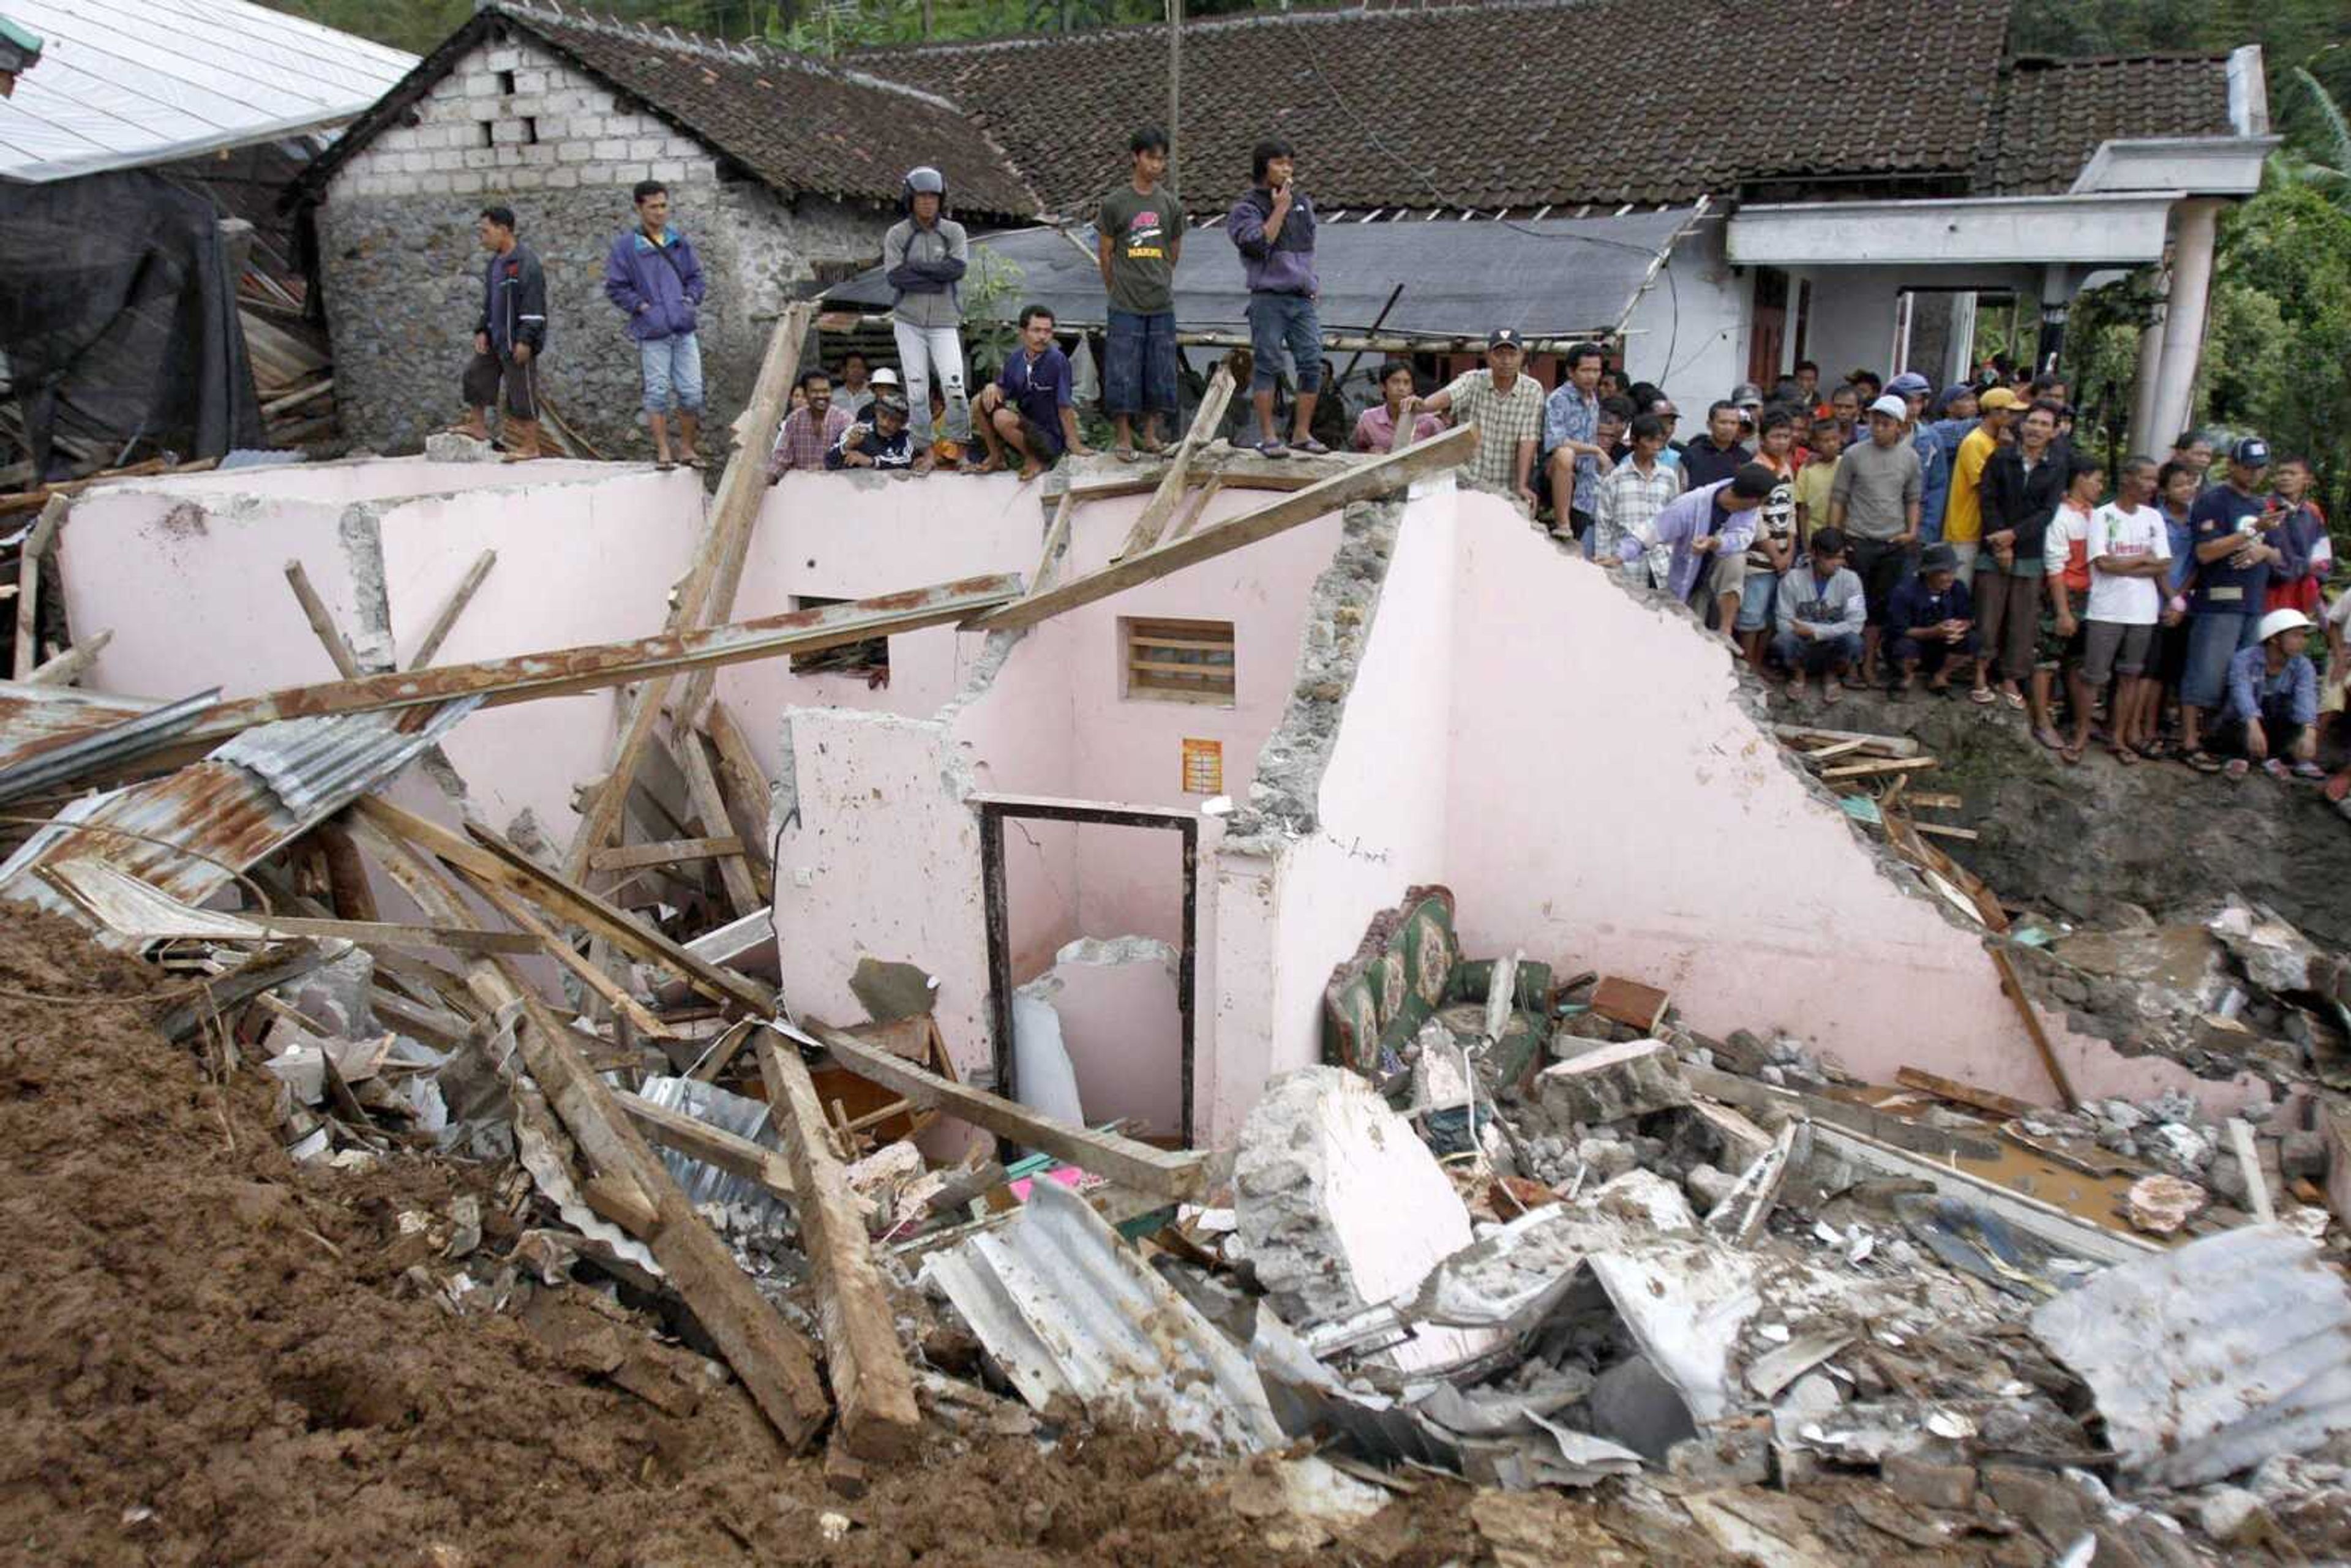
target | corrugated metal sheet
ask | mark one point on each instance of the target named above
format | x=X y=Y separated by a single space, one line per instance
x=57 y=755
x=1065 y=1308
x=736 y=1113
x=256 y=792
x=2210 y=1358
x=35 y=720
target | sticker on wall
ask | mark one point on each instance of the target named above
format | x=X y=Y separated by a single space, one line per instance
x=1204 y=767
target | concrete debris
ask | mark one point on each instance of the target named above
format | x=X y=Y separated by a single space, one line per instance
x=2160 y=1204
x=1613 y=1083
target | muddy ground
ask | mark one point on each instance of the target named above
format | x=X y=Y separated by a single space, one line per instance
x=2079 y=840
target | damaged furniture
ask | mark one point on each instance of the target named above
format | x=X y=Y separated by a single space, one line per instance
x=1408 y=970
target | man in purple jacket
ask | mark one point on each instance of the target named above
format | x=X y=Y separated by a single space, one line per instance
x=1272 y=225
x=655 y=279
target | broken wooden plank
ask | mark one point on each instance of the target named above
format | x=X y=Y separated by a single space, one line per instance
x=1936 y=801
x=1876 y=745
x=1200 y=503
x=765 y=1352
x=264 y=971
x=702 y=790
x=748 y=794
x=1878 y=766
x=615 y=995
x=492 y=860
x=713 y=1145
x=1937 y=831
x=629 y=857
x=67 y=667
x=2248 y=1161
x=446 y=621
x=2047 y=1220
x=1763 y=1099
x=313 y=610
x=527 y=677
x=1743 y=1209
x=872 y=1390
x=2013 y=984
x=1153 y=521
x=619 y=1201
x=1631 y=1003
x=1123 y=1160
x=410 y=938
x=1368 y=481
x=1960 y=1094
x=1057 y=533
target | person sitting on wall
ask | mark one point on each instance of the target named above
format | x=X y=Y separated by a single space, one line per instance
x=1376 y=427
x=2273 y=705
x=509 y=338
x=1029 y=406
x=653 y=277
x=883 y=444
x=1931 y=620
x=809 y=430
x=1821 y=608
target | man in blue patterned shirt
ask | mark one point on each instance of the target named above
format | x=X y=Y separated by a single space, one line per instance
x=1573 y=456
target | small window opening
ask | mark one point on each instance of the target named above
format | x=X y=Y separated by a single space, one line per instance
x=1179 y=660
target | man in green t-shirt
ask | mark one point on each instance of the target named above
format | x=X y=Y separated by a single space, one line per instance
x=1139 y=234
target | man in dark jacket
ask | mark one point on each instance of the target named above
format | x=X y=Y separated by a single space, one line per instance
x=883 y=443
x=1272 y=225
x=2022 y=487
x=655 y=279
x=508 y=339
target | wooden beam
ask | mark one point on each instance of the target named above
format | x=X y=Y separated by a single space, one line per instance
x=713 y=1145
x=67 y=667
x=412 y=938
x=1154 y=522
x=28 y=583
x=488 y=857
x=1199 y=507
x=1123 y=1160
x=1056 y=533
x=629 y=857
x=2013 y=984
x=749 y=795
x=1960 y=1094
x=615 y=995
x=1374 y=478
x=438 y=633
x=527 y=677
x=872 y=1390
x=313 y=610
x=765 y=1352
x=1878 y=744
x=223 y=993
x=1878 y=766
x=702 y=789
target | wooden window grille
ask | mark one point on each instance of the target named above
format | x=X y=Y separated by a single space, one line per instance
x=1180 y=661
x=868 y=657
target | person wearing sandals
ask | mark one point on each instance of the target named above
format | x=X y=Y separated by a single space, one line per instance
x=2130 y=561
x=2271 y=715
x=2065 y=575
x=1139 y=237
x=2177 y=486
x=1272 y=225
x=2022 y=487
x=1508 y=410
x=1820 y=608
x=2230 y=524
x=1930 y=623
x=654 y=279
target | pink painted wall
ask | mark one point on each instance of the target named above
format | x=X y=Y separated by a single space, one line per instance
x=353 y=479
x=1120 y=1024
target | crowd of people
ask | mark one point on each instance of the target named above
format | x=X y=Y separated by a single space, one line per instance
x=1872 y=534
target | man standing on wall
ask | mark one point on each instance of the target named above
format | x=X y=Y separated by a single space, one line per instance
x=923 y=257
x=509 y=338
x=1272 y=225
x=1139 y=238
x=655 y=279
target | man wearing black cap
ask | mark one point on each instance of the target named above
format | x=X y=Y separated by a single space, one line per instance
x=1508 y=410
x=1931 y=619
x=883 y=443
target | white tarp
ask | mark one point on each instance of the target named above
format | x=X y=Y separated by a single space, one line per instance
x=123 y=83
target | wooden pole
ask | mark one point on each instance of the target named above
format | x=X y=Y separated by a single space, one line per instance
x=313 y=610
x=438 y=633
x=28 y=584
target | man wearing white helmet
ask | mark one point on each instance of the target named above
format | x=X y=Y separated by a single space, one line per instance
x=925 y=256
x=2271 y=717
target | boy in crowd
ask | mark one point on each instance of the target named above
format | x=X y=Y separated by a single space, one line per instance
x=2309 y=554
x=1814 y=479
x=1875 y=502
x=1140 y=237
x=1272 y=226
x=1572 y=452
x=1632 y=494
x=2022 y=487
x=2065 y=575
x=1821 y=610
x=1716 y=455
x=1774 y=553
x=1931 y=621
x=1029 y=406
x=1376 y=426
x=2273 y=710
x=885 y=444
x=2130 y=562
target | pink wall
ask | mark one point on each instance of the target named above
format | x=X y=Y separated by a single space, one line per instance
x=1120 y=1022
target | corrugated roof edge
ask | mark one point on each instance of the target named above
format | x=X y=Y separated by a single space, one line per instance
x=313 y=180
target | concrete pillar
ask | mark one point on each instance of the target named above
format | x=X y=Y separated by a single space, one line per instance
x=2058 y=283
x=1959 y=349
x=2183 y=325
x=2145 y=435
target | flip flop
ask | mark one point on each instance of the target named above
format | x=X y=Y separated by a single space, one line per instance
x=2126 y=755
x=2015 y=700
x=2237 y=767
x=1126 y=455
x=1982 y=696
x=2050 y=738
x=1312 y=447
x=1831 y=692
x=1270 y=449
x=2276 y=768
x=663 y=466
x=2201 y=761
x=2307 y=770
x=2071 y=756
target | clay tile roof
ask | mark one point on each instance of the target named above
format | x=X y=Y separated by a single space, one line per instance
x=1491 y=106
x=2055 y=113
x=795 y=124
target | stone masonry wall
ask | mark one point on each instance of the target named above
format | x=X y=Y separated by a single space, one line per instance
x=513 y=123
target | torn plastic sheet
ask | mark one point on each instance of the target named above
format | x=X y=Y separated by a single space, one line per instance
x=2207 y=1360
x=1065 y=1308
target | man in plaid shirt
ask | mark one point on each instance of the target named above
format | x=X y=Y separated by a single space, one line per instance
x=808 y=433
x=1631 y=496
x=1508 y=410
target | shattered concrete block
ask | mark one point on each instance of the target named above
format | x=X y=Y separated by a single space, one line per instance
x=1952 y=1488
x=1613 y=1083
x=2276 y=956
x=1340 y=1207
x=1605 y=1159
x=451 y=446
x=1708 y=1186
x=2231 y=1516
x=2162 y=1203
